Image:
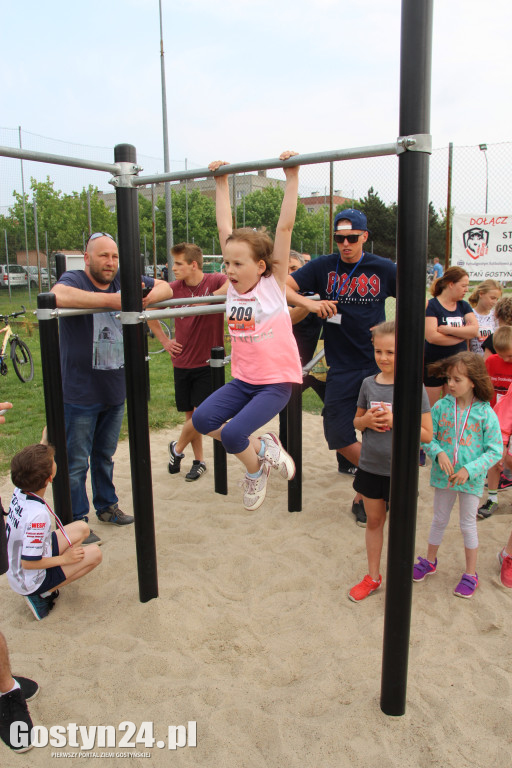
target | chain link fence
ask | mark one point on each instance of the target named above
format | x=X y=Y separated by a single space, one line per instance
x=479 y=180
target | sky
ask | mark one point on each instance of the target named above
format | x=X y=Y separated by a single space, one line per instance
x=245 y=78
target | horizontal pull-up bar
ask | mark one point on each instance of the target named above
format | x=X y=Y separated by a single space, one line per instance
x=45 y=157
x=262 y=165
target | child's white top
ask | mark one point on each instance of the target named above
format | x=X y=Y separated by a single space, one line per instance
x=28 y=527
x=263 y=347
x=486 y=326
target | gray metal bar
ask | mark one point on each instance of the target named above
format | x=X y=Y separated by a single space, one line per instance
x=46 y=157
x=161 y=314
x=378 y=150
x=314 y=360
x=195 y=300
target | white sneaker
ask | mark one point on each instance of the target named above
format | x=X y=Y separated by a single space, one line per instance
x=255 y=489
x=276 y=456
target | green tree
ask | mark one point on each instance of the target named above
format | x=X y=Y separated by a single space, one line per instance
x=202 y=227
x=63 y=219
x=382 y=221
x=436 y=234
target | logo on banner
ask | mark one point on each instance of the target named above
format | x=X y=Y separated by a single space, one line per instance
x=476 y=241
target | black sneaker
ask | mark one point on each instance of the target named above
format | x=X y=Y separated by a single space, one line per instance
x=13 y=709
x=197 y=469
x=29 y=688
x=115 y=516
x=487 y=509
x=92 y=538
x=345 y=467
x=359 y=513
x=40 y=606
x=174 y=459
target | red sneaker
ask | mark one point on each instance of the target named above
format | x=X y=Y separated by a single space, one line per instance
x=364 y=588
x=506 y=569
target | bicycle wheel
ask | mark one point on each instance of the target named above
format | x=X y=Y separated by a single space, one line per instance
x=22 y=360
x=154 y=345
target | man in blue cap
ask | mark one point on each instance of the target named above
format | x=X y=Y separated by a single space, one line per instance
x=353 y=286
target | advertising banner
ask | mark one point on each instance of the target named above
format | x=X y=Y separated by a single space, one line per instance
x=482 y=245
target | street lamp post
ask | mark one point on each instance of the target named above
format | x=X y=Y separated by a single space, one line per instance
x=483 y=148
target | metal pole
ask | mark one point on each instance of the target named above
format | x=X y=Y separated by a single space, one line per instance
x=294 y=429
x=60 y=264
x=447 y=249
x=36 y=233
x=136 y=389
x=412 y=236
x=331 y=206
x=186 y=199
x=7 y=264
x=89 y=217
x=220 y=467
x=153 y=221
x=54 y=402
x=233 y=179
x=167 y=167
x=486 y=182
x=24 y=218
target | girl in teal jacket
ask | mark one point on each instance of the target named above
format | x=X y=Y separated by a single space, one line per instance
x=466 y=443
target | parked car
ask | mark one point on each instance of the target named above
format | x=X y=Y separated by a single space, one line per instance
x=13 y=274
x=33 y=276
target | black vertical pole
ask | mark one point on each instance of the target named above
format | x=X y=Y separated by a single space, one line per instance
x=220 y=466
x=60 y=264
x=136 y=388
x=294 y=427
x=412 y=232
x=54 y=402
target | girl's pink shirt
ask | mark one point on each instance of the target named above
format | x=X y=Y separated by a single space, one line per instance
x=263 y=347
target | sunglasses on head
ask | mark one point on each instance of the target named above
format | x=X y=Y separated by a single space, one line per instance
x=339 y=238
x=97 y=234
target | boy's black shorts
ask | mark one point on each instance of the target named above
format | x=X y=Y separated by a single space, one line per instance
x=191 y=387
x=370 y=485
x=54 y=575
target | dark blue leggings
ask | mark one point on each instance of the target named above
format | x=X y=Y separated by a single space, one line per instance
x=248 y=406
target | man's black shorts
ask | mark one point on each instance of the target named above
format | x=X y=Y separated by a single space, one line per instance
x=191 y=387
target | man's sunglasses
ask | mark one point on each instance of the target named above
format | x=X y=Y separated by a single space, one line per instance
x=97 y=234
x=339 y=238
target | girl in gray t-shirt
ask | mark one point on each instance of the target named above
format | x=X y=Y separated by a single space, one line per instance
x=374 y=419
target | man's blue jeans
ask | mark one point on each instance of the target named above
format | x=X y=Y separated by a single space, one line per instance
x=92 y=431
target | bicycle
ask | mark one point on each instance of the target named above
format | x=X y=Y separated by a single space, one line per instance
x=19 y=352
x=154 y=345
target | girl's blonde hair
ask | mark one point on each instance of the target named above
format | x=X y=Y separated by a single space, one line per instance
x=482 y=289
x=469 y=364
x=260 y=243
x=452 y=275
x=384 y=329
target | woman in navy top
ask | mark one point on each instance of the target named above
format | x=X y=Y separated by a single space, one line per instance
x=449 y=324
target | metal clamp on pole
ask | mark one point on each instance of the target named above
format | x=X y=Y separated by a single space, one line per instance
x=45 y=314
x=127 y=172
x=417 y=142
x=131 y=318
x=217 y=363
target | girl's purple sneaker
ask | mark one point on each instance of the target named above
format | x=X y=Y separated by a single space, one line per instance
x=423 y=568
x=466 y=586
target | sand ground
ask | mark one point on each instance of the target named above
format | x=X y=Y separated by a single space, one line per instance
x=253 y=637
